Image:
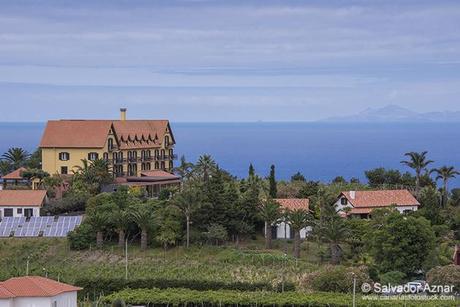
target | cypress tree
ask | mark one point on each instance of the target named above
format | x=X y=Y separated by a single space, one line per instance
x=272 y=182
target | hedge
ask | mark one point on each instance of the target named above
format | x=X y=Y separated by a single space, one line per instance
x=97 y=286
x=187 y=297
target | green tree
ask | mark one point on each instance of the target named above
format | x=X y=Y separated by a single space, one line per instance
x=184 y=170
x=272 y=182
x=100 y=219
x=445 y=173
x=205 y=167
x=418 y=162
x=401 y=243
x=188 y=201
x=216 y=233
x=298 y=177
x=251 y=171
x=270 y=212
x=35 y=160
x=339 y=180
x=142 y=216
x=297 y=219
x=430 y=205
x=95 y=174
x=168 y=225
x=16 y=157
x=121 y=221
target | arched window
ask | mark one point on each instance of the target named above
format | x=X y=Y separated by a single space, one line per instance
x=166 y=140
x=162 y=153
x=157 y=165
x=163 y=166
x=106 y=156
x=110 y=143
x=93 y=156
x=157 y=154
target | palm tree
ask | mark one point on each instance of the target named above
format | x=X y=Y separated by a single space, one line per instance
x=96 y=173
x=205 y=167
x=297 y=219
x=445 y=173
x=418 y=162
x=270 y=212
x=142 y=216
x=121 y=221
x=184 y=169
x=98 y=221
x=187 y=201
x=16 y=157
x=334 y=231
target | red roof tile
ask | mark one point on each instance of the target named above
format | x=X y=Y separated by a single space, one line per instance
x=36 y=286
x=15 y=175
x=381 y=198
x=293 y=203
x=94 y=133
x=33 y=198
x=4 y=293
x=159 y=173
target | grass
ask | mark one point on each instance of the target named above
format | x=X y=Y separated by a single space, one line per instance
x=53 y=257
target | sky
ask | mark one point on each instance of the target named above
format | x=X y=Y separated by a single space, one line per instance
x=211 y=60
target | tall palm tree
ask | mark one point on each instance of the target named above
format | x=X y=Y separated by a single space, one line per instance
x=184 y=169
x=187 y=201
x=142 y=216
x=334 y=231
x=98 y=221
x=205 y=167
x=270 y=212
x=445 y=173
x=418 y=162
x=298 y=219
x=121 y=220
x=16 y=157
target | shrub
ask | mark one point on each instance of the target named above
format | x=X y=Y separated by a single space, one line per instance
x=335 y=279
x=187 y=297
x=392 y=277
x=82 y=237
x=445 y=275
x=118 y=303
x=93 y=286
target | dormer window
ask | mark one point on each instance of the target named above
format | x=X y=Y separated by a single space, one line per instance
x=166 y=140
x=93 y=156
x=64 y=156
x=110 y=144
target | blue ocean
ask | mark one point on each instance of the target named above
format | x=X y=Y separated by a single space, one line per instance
x=320 y=151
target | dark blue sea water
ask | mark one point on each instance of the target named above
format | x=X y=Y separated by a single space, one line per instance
x=320 y=151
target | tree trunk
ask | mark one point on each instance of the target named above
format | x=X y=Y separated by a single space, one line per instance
x=445 y=195
x=237 y=241
x=417 y=184
x=268 y=236
x=297 y=243
x=188 y=230
x=99 y=239
x=335 y=257
x=144 y=239
x=121 y=239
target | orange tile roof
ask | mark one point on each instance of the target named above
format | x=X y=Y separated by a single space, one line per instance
x=4 y=293
x=381 y=198
x=36 y=286
x=159 y=173
x=15 y=175
x=293 y=203
x=93 y=133
x=19 y=198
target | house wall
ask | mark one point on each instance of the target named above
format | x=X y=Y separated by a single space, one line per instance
x=401 y=209
x=36 y=211
x=67 y=299
x=31 y=302
x=283 y=230
x=6 y=302
x=52 y=165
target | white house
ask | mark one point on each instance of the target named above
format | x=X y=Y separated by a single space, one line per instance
x=361 y=203
x=18 y=203
x=35 y=291
x=283 y=229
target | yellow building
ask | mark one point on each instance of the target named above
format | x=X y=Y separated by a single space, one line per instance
x=130 y=146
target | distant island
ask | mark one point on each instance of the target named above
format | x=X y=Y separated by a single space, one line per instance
x=395 y=113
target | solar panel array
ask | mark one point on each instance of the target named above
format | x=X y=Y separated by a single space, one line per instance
x=46 y=226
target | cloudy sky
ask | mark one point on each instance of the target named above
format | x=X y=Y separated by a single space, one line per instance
x=210 y=60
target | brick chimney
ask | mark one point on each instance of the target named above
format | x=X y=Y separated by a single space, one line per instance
x=123 y=114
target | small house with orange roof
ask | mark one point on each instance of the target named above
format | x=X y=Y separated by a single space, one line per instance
x=361 y=203
x=21 y=203
x=14 y=178
x=37 y=291
x=283 y=230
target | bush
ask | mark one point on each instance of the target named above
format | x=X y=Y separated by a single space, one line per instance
x=392 y=277
x=82 y=237
x=93 y=286
x=187 y=297
x=335 y=279
x=445 y=275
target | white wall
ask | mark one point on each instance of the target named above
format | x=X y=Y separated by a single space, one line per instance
x=6 y=302
x=67 y=299
x=281 y=227
x=36 y=211
x=401 y=209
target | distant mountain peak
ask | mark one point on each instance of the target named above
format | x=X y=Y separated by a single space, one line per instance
x=395 y=113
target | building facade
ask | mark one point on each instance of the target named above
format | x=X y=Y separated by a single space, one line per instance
x=36 y=291
x=21 y=203
x=283 y=230
x=361 y=203
x=130 y=146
